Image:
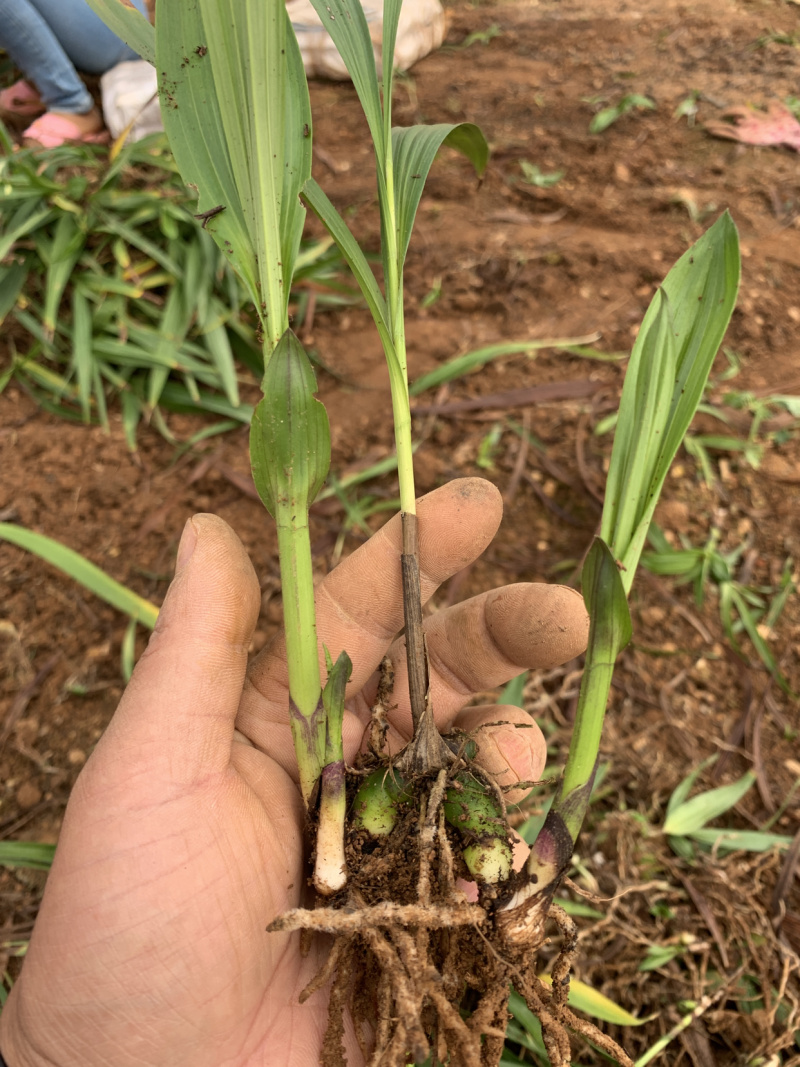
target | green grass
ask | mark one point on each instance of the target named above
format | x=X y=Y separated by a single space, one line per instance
x=111 y=292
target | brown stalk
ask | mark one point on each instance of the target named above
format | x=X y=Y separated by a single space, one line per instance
x=426 y=753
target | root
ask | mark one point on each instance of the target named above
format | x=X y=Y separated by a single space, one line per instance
x=407 y=968
x=353 y=921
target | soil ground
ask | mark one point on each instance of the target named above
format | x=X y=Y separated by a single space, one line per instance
x=505 y=260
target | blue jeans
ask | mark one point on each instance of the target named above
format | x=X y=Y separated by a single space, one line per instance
x=49 y=39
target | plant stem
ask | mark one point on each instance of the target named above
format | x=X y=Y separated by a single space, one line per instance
x=330 y=868
x=427 y=752
x=307 y=714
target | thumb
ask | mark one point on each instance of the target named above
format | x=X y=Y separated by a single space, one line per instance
x=180 y=705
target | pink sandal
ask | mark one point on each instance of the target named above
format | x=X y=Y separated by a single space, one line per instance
x=52 y=130
x=20 y=101
x=776 y=126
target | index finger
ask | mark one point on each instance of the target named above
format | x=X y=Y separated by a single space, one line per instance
x=360 y=603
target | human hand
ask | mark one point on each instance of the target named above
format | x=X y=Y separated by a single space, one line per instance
x=182 y=838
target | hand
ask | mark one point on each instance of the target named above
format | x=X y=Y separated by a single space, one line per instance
x=182 y=837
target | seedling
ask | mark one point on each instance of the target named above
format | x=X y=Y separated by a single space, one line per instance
x=482 y=37
x=688 y=107
x=236 y=109
x=541 y=179
x=609 y=115
x=742 y=607
x=687 y=819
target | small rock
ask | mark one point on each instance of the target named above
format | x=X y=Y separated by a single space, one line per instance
x=28 y=795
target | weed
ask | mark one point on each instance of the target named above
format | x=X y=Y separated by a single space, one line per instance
x=482 y=37
x=753 y=610
x=688 y=107
x=116 y=291
x=534 y=176
x=609 y=115
x=687 y=818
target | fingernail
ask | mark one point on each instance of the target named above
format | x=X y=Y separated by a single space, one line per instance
x=187 y=545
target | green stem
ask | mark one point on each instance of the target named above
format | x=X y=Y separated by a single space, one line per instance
x=609 y=632
x=330 y=867
x=394 y=302
x=402 y=436
x=307 y=714
x=587 y=731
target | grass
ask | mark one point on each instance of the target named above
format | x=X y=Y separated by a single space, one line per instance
x=743 y=607
x=112 y=292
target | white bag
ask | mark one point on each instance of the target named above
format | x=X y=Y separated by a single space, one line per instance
x=130 y=95
x=421 y=30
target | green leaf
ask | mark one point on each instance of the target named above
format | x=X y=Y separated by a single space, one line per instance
x=583 y=998
x=236 y=110
x=12 y=279
x=82 y=349
x=512 y=694
x=32 y=854
x=740 y=840
x=24 y=223
x=605 y=599
x=290 y=445
x=751 y=628
x=693 y=814
x=603 y=119
x=76 y=566
x=659 y=955
x=176 y=397
x=414 y=149
x=345 y=21
x=461 y=365
x=700 y=293
x=68 y=242
x=322 y=207
x=576 y=908
x=529 y=1023
x=129 y=24
x=643 y=413
x=218 y=344
x=684 y=788
x=128 y=651
x=333 y=701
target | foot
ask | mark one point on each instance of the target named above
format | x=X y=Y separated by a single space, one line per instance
x=91 y=122
x=20 y=101
x=55 y=128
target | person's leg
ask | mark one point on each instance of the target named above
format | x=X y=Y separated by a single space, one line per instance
x=85 y=38
x=36 y=50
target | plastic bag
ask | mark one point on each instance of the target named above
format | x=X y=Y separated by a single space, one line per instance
x=130 y=96
x=421 y=30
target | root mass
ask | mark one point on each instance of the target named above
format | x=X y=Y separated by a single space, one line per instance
x=425 y=973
